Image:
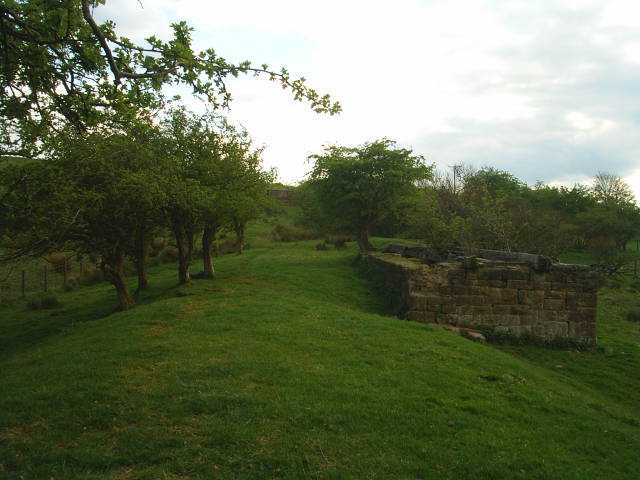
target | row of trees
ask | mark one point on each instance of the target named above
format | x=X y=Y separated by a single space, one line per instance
x=380 y=188
x=98 y=175
x=111 y=191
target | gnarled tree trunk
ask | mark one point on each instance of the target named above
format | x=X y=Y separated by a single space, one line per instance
x=112 y=266
x=238 y=227
x=208 y=236
x=185 y=242
x=363 y=240
x=141 y=248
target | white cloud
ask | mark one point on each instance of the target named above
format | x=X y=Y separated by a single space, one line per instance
x=547 y=90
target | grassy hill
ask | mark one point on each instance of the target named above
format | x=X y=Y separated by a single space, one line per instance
x=284 y=367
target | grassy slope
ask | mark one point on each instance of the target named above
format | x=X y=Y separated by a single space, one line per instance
x=281 y=368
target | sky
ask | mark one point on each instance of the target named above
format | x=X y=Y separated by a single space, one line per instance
x=547 y=90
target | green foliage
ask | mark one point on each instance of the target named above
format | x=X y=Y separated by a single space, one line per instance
x=60 y=68
x=44 y=303
x=634 y=315
x=358 y=187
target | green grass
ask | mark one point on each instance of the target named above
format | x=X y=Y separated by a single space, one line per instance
x=282 y=367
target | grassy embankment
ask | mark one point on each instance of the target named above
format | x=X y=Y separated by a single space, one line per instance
x=283 y=367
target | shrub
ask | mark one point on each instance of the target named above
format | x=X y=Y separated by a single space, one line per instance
x=225 y=248
x=284 y=234
x=90 y=277
x=170 y=254
x=321 y=246
x=340 y=243
x=159 y=243
x=633 y=315
x=43 y=303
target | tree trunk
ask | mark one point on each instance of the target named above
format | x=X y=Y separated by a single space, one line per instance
x=113 y=267
x=208 y=236
x=239 y=229
x=185 y=242
x=140 y=260
x=363 y=240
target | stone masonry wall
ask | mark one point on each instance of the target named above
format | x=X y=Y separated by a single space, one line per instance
x=513 y=298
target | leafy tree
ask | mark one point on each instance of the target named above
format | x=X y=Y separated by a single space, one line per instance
x=359 y=186
x=610 y=189
x=59 y=67
x=89 y=196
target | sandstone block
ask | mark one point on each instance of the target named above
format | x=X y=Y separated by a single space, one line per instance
x=450 y=308
x=481 y=309
x=553 y=304
x=489 y=273
x=417 y=301
x=555 y=294
x=439 y=299
x=531 y=297
x=517 y=284
x=517 y=274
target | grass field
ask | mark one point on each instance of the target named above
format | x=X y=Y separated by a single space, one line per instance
x=286 y=367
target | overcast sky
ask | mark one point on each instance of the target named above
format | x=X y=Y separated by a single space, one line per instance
x=547 y=90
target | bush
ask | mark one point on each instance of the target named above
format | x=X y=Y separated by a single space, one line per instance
x=159 y=243
x=44 y=303
x=284 y=234
x=633 y=315
x=340 y=243
x=170 y=254
x=90 y=277
x=321 y=246
x=224 y=248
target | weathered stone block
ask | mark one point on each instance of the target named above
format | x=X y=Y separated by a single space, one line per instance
x=434 y=307
x=548 y=316
x=490 y=273
x=518 y=284
x=439 y=299
x=479 y=290
x=417 y=301
x=481 y=309
x=554 y=304
x=466 y=321
x=517 y=274
x=459 y=290
x=531 y=297
x=529 y=318
x=583 y=314
x=555 y=294
x=502 y=309
x=557 y=329
x=503 y=295
x=450 y=308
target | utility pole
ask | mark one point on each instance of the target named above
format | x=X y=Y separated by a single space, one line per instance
x=455 y=175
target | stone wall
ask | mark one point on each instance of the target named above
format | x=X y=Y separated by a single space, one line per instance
x=515 y=298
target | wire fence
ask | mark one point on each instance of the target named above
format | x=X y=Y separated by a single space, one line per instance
x=28 y=277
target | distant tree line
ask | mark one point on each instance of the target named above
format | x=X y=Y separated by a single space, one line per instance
x=381 y=190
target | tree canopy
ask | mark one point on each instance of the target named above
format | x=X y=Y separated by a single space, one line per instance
x=359 y=186
x=59 y=67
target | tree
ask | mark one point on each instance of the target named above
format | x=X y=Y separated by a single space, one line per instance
x=610 y=189
x=90 y=195
x=60 y=68
x=359 y=186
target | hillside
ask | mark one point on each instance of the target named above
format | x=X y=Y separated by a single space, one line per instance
x=284 y=367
